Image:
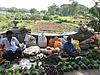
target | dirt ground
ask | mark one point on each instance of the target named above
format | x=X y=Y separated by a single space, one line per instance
x=53 y=27
x=84 y=72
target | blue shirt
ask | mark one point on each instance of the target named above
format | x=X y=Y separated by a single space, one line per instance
x=68 y=47
x=10 y=45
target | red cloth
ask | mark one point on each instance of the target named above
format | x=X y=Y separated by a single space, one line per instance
x=54 y=42
x=57 y=44
x=3 y=48
x=93 y=37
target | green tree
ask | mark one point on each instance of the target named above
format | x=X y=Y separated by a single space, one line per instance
x=82 y=10
x=73 y=9
x=18 y=16
x=13 y=9
x=64 y=9
x=95 y=22
x=23 y=10
x=53 y=10
x=43 y=11
x=26 y=17
x=46 y=17
x=33 y=11
x=36 y=17
x=68 y=9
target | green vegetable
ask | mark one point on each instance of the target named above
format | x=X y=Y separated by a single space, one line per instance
x=66 y=63
x=77 y=60
x=52 y=59
x=70 y=67
x=2 y=72
x=32 y=70
x=66 y=69
x=17 y=71
x=70 y=59
x=37 y=65
x=25 y=71
x=10 y=70
x=83 y=66
x=93 y=62
x=33 y=73
x=73 y=63
x=60 y=64
x=98 y=61
x=75 y=67
x=84 y=58
x=86 y=62
x=93 y=54
x=90 y=66
x=80 y=63
x=41 y=71
x=96 y=66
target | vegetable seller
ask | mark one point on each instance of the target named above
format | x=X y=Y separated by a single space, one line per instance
x=68 y=46
x=12 y=47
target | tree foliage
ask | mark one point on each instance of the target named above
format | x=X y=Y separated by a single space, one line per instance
x=67 y=9
x=53 y=10
x=33 y=11
x=13 y=9
x=95 y=22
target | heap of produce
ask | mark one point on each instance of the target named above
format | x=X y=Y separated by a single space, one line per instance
x=78 y=63
x=54 y=65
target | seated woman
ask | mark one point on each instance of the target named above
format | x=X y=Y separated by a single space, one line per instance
x=68 y=47
x=12 y=47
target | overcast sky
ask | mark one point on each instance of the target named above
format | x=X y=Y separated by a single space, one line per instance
x=40 y=4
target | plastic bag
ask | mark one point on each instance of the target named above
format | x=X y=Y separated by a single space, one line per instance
x=42 y=41
x=30 y=40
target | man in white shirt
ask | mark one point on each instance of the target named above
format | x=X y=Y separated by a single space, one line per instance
x=12 y=47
